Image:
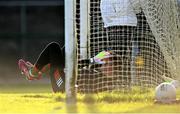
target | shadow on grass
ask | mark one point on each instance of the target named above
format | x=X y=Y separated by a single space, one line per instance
x=85 y=103
x=122 y=97
x=71 y=105
x=59 y=97
x=90 y=101
x=36 y=96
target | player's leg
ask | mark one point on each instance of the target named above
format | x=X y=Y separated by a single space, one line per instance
x=50 y=61
x=42 y=65
x=57 y=60
x=120 y=38
x=53 y=56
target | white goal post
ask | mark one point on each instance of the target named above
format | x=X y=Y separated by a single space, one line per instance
x=70 y=50
x=143 y=52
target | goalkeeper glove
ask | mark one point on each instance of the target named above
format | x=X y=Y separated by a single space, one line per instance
x=98 y=59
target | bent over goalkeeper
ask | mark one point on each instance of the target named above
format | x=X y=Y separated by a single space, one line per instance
x=51 y=62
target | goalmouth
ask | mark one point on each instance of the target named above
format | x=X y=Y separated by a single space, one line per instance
x=142 y=55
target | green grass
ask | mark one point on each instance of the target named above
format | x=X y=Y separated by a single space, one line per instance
x=33 y=98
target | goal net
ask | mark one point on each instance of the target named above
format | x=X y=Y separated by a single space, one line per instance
x=143 y=36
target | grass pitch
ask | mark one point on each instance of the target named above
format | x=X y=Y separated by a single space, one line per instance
x=33 y=98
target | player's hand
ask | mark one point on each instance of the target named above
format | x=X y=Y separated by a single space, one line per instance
x=98 y=59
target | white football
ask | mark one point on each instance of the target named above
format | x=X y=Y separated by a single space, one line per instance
x=165 y=93
x=175 y=83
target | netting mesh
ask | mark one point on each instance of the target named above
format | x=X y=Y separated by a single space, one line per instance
x=162 y=16
x=142 y=53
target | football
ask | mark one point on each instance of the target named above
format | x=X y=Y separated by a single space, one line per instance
x=165 y=93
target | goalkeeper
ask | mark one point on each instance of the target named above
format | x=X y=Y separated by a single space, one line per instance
x=120 y=21
x=51 y=62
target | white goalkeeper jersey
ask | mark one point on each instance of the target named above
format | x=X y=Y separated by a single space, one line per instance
x=118 y=13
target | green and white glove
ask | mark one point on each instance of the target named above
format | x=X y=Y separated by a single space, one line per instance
x=98 y=59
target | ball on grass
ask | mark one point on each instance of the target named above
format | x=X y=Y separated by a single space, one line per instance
x=165 y=93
